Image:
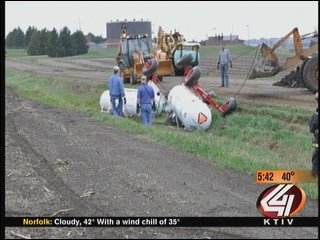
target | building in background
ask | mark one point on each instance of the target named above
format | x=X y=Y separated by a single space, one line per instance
x=135 y=27
x=221 y=39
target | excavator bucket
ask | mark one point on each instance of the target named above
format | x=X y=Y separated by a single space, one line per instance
x=165 y=68
x=266 y=63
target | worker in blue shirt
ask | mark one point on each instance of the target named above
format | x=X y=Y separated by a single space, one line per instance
x=145 y=101
x=116 y=92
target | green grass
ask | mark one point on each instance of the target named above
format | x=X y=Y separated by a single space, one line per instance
x=55 y=91
x=259 y=136
x=99 y=53
x=95 y=53
x=16 y=53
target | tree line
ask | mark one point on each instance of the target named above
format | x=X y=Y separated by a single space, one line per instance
x=49 y=43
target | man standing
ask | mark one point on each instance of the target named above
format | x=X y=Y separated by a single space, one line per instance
x=314 y=128
x=223 y=62
x=145 y=101
x=138 y=56
x=116 y=92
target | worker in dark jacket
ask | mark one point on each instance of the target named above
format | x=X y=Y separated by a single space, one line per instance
x=314 y=128
x=116 y=92
x=145 y=101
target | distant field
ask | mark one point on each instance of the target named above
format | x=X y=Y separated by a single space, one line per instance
x=95 y=53
x=205 y=52
x=15 y=53
x=235 y=50
x=100 y=53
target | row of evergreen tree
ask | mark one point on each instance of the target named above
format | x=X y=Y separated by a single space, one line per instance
x=49 y=43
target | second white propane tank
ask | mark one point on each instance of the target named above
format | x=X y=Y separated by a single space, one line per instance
x=131 y=95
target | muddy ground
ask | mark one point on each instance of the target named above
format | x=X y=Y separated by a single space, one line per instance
x=61 y=163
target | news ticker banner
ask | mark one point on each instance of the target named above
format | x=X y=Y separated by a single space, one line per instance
x=160 y=222
x=284 y=176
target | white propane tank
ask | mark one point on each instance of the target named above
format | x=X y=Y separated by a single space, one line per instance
x=131 y=95
x=189 y=108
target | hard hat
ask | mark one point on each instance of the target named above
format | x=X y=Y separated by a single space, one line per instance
x=316 y=96
x=116 y=68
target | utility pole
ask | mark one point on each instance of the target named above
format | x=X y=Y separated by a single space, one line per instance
x=248 y=33
x=232 y=33
x=213 y=29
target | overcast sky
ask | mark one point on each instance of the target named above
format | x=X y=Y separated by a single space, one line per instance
x=195 y=20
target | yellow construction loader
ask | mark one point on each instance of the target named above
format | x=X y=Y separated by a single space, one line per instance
x=133 y=52
x=173 y=47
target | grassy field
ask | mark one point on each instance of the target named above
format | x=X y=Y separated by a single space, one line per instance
x=257 y=136
x=99 y=53
x=205 y=51
x=18 y=54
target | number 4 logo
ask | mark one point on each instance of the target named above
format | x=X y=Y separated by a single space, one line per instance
x=281 y=200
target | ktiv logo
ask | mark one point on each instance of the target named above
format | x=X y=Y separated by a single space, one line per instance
x=280 y=201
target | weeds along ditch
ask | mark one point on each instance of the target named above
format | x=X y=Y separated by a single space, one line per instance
x=258 y=136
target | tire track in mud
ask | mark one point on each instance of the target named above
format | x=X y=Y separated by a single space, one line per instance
x=68 y=198
x=131 y=175
x=44 y=170
x=62 y=197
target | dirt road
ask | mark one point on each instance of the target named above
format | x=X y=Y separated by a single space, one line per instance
x=63 y=164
